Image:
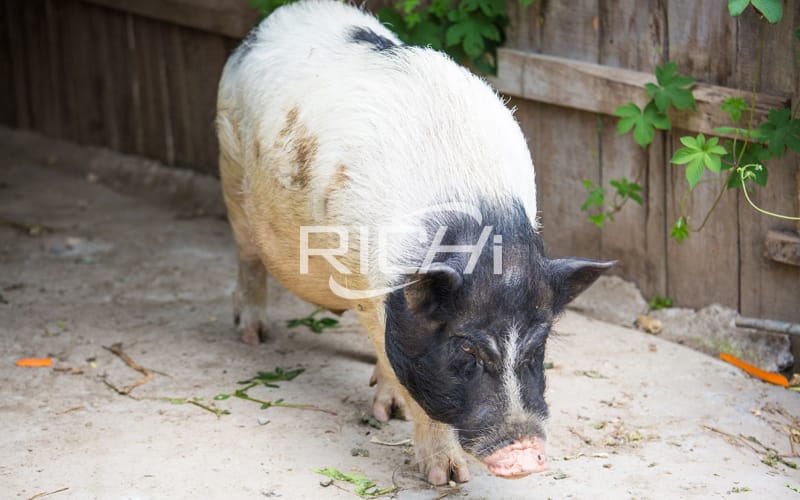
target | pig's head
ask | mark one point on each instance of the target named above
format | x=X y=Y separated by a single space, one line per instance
x=469 y=346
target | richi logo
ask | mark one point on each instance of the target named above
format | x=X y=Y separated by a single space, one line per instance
x=388 y=238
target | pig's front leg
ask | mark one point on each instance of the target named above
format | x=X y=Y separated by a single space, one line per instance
x=438 y=452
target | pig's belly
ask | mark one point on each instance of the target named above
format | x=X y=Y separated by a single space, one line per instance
x=279 y=249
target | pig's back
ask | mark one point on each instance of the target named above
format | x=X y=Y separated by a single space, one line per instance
x=335 y=122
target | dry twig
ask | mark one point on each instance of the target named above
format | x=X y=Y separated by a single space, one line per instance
x=46 y=493
x=116 y=349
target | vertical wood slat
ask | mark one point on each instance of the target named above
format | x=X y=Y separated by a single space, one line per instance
x=564 y=143
x=204 y=58
x=704 y=268
x=102 y=22
x=632 y=36
x=179 y=82
x=8 y=112
x=38 y=62
x=768 y=288
x=17 y=52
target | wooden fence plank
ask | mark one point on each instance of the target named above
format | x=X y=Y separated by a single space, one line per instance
x=704 y=268
x=179 y=83
x=599 y=88
x=18 y=53
x=524 y=31
x=70 y=27
x=121 y=80
x=565 y=149
x=8 y=111
x=102 y=21
x=147 y=39
x=204 y=58
x=232 y=18
x=769 y=289
x=632 y=36
x=53 y=66
x=38 y=64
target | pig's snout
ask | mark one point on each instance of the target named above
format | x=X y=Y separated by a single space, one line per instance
x=518 y=459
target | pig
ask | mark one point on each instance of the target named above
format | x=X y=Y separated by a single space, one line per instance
x=372 y=176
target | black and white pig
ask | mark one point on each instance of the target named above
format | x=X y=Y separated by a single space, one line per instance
x=368 y=175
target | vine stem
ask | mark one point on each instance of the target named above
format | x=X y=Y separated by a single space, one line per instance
x=751 y=117
x=716 y=202
x=746 y=195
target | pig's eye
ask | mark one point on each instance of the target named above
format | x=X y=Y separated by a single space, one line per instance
x=466 y=360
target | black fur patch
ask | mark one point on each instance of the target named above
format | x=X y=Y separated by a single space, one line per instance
x=246 y=46
x=445 y=337
x=380 y=43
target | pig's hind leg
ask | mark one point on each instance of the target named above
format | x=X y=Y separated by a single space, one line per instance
x=250 y=299
x=389 y=400
x=250 y=296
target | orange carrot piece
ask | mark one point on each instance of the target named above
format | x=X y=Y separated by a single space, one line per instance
x=772 y=378
x=35 y=362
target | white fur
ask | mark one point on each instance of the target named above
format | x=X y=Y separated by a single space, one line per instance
x=511 y=383
x=412 y=127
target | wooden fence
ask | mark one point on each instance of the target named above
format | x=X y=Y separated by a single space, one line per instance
x=140 y=77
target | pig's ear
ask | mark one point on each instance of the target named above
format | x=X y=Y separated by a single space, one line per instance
x=570 y=277
x=432 y=291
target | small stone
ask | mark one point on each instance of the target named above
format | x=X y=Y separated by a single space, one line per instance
x=262 y=420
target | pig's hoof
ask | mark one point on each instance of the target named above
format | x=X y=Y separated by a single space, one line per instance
x=439 y=469
x=251 y=325
x=389 y=401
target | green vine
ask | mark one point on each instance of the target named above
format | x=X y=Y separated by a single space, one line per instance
x=470 y=31
x=752 y=145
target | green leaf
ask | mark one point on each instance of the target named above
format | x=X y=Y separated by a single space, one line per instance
x=595 y=198
x=598 y=220
x=440 y=8
x=426 y=33
x=699 y=154
x=643 y=123
x=741 y=133
x=734 y=106
x=694 y=171
x=781 y=131
x=490 y=32
x=736 y=7
x=365 y=487
x=658 y=302
x=671 y=89
x=393 y=19
x=770 y=9
x=750 y=153
x=680 y=231
x=627 y=189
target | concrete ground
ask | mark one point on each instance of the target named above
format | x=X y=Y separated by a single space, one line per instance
x=633 y=416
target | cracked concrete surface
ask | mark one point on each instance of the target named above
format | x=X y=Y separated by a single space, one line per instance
x=630 y=412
